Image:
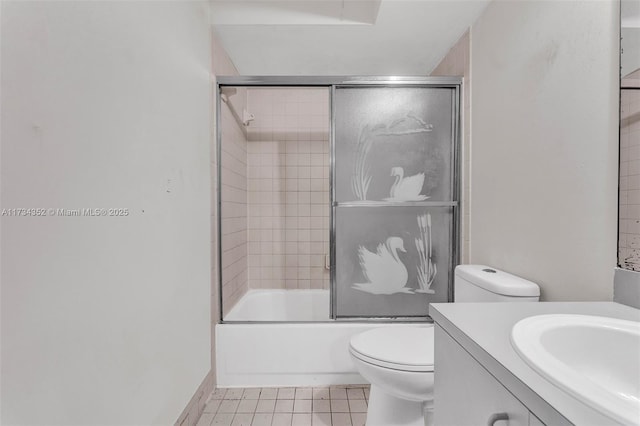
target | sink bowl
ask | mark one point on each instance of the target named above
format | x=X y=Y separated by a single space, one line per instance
x=594 y=359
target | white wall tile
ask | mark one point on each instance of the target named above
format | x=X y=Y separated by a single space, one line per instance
x=287 y=173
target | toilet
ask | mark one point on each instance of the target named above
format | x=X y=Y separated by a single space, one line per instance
x=398 y=361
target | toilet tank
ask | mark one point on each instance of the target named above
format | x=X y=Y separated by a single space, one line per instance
x=480 y=283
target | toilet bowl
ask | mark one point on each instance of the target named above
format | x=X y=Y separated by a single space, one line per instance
x=398 y=361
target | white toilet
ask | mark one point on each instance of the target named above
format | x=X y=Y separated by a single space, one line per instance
x=398 y=361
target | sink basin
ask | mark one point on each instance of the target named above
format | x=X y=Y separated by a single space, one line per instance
x=594 y=359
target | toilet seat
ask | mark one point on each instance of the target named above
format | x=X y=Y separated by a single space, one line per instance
x=399 y=348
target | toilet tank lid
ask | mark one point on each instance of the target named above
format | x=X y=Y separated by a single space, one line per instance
x=496 y=281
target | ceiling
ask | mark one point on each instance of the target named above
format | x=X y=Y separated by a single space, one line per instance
x=341 y=37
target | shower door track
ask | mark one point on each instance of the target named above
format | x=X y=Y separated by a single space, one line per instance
x=309 y=81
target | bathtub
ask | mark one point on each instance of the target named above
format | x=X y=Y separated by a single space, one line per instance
x=282 y=305
x=286 y=354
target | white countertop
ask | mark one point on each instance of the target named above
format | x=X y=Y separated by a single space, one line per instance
x=484 y=330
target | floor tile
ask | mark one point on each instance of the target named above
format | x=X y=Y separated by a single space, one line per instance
x=266 y=406
x=205 y=419
x=218 y=393
x=228 y=406
x=299 y=419
x=304 y=393
x=212 y=406
x=269 y=393
x=302 y=406
x=340 y=419
x=321 y=406
x=321 y=419
x=342 y=405
x=339 y=406
x=252 y=393
x=286 y=393
x=357 y=406
x=338 y=393
x=222 y=419
x=358 y=419
x=234 y=393
x=357 y=393
x=282 y=419
x=284 y=406
x=262 y=419
x=242 y=419
x=248 y=406
x=320 y=393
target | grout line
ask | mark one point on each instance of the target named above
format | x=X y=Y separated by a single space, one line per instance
x=240 y=396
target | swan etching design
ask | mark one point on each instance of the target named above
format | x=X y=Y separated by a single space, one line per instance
x=406 y=189
x=384 y=269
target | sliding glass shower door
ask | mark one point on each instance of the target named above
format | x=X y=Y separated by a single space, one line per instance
x=337 y=197
x=394 y=198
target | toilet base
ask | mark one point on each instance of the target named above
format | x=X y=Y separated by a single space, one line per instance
x=387 y=410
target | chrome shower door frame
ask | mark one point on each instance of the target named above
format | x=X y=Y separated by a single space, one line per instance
x=331 y=83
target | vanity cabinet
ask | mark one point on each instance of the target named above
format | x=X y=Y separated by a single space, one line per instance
x=466 y=394
x=480 y=375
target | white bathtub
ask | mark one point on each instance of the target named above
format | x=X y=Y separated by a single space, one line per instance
x=281 y=305
x=286 y=354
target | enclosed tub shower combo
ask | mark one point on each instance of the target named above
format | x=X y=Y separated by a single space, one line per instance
x=338 y=213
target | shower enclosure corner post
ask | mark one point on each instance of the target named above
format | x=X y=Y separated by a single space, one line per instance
x=218 y=187
x=332 y=226
x=457 y=187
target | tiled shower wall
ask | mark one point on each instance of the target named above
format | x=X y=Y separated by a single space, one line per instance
x=288 y=188
x=233 y=187
x=629 y=237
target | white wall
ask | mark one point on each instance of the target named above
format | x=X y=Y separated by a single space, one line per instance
x=544 y=144
x=457 y=62
x=105 y=320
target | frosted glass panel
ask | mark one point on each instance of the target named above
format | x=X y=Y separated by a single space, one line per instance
x=394 y=199
x=391 y=261
x=394 y=144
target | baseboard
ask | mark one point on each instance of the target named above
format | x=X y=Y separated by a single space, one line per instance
x=195 y=407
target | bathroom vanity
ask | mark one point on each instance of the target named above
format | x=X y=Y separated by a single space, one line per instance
x=480 y=379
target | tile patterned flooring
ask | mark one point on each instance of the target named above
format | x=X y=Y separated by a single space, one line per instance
x=321 y=406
